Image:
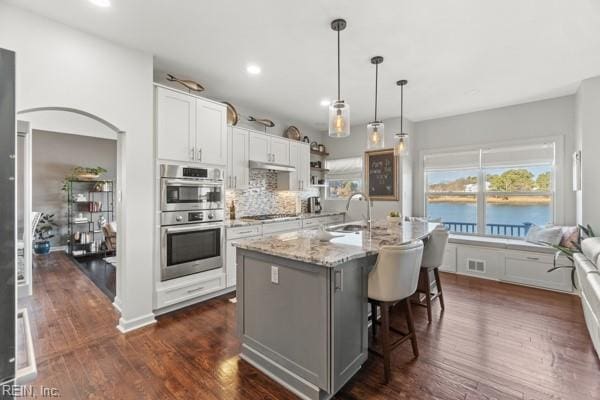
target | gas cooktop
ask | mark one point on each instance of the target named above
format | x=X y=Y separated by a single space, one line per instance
x=265 y=217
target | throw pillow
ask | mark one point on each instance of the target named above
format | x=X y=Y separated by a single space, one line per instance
x=570 y=235
x=538 y=234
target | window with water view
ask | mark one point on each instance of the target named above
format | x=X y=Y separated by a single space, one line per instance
x=511 y=199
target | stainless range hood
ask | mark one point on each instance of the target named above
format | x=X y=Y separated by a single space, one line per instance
x=271 y=166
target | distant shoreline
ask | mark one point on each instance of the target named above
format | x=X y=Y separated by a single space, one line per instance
x=514 y=200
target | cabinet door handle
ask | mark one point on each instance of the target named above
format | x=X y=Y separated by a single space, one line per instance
x=229 y=184
x=533 y=258
x=235 y=181
x=192 y=153
x=200 y=155
x=195 y=290
x=339 y=280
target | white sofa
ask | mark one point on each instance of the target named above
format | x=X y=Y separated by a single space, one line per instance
x=588 y=282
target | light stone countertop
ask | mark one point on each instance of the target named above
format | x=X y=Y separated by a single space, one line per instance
x=247 y=222
x=305 y=247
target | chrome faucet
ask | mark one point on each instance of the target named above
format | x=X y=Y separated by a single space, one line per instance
x=369 y=205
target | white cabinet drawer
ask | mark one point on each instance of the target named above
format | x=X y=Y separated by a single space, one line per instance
x=282 y=227
x=170 y=295
x=532 y=269
x=244 y=231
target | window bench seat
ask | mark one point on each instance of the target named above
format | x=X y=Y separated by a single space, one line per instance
x=500 y=243
x=507 y=260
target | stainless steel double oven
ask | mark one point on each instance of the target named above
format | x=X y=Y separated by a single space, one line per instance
x=192 y=212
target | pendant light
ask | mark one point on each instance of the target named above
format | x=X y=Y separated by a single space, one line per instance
x=339 y=111
x=375 y=137
x=401 y=148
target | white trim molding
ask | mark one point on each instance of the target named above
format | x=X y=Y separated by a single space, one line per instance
x=126 y=326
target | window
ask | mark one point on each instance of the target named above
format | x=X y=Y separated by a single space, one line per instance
x=517 y=190
x=344 y=177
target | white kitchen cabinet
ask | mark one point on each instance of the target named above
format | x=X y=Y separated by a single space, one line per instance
x=280 y=150
x=175 y=125
x=190 y=128
x=230 y=258
x=211 y=132
x=238 y=173
x=258 y=147
x=299 y=158
x=267 y=148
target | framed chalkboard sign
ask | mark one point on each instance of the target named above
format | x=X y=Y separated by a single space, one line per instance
x=381 y=174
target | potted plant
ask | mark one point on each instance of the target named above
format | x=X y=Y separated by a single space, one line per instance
x=43 y=233
x=569 y=252
x=394 y=218
x=84 y=174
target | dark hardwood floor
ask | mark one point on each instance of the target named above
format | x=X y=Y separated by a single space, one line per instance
x=103 y=274
x=495 y=341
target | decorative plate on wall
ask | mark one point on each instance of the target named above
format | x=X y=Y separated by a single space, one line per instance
x=232 y=115
x=292 y=133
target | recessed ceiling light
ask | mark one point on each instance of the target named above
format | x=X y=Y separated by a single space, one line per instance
x=253 y=69
x=325 y=102
x=101 y=3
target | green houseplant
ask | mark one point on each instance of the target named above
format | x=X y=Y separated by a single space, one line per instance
x=44 y=231
x=569 y=252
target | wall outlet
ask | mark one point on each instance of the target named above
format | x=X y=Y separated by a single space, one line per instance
x=274 y=274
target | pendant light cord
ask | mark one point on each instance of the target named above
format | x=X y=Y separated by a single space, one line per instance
x=338 y=48
x=401 y=108
x=376 y=80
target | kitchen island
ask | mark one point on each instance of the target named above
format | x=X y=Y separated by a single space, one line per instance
x=302 y=303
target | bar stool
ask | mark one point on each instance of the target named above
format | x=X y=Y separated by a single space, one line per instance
x=433 y=256
x=394 y=280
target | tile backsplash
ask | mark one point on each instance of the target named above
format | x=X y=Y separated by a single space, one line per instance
x=262 y=196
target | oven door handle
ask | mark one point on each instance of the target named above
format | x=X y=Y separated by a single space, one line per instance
x=203 y=227
x=184 y=182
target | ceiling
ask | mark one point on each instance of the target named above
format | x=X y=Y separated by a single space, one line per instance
x=458 y=56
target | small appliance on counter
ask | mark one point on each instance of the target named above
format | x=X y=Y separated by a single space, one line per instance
x=314 y=205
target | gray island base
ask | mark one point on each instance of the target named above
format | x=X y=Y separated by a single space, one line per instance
x=302 y=304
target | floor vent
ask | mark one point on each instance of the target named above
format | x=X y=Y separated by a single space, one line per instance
x=476 y=265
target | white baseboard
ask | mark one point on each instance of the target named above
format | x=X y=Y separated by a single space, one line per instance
x=117 y=304
x=136 y=323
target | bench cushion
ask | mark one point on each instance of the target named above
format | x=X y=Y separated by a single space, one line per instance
x=477 y=241
x=514 y=244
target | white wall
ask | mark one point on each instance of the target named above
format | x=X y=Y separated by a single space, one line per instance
x=60 y=66
x=355 y=145
x=587 y=140
x=554 y=117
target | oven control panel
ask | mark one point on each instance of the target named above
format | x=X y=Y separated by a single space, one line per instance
x=191 y=217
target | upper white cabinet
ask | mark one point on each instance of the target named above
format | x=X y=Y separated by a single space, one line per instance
x=237 y=162
x=259 y=147
x=211 y=132
x=190 y=128
x=267 y=148
x=280 y=150
x=299 y=158
x=175 y=125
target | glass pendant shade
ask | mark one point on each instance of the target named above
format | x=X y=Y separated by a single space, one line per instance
x=339 y=119
x=375 y=135
x=401 y=147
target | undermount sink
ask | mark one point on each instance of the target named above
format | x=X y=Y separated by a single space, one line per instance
x=348 y=227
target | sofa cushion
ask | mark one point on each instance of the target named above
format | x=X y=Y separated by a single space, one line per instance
x=544 y=234
x=591 y=249
x=591 y=291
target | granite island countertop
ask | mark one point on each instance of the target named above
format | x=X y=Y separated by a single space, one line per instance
x=305 y=247
x=247 y=222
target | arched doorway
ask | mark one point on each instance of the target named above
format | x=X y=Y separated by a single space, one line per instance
x=81 y=122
